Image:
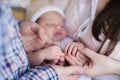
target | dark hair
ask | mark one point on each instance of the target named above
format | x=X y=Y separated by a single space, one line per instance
x=108 y=23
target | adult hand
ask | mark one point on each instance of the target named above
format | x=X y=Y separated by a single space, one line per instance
x=73 y=61
x=68 y=73
x=33 y=36
x=100 y=64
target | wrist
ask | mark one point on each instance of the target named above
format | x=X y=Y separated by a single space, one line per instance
x=42 y=54
x=116 y=67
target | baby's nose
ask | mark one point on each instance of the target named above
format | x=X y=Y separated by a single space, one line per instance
x=58 y=27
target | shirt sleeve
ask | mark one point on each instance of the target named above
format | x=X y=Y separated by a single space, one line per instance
x=40 y=73
x=14 y=63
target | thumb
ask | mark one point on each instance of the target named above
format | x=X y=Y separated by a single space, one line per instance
x=43 y=37
x=41 y=33
x=89 y=53
x=49 y=42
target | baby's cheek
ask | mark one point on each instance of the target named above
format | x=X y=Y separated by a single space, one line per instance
x=50 y=34
x=64 y=34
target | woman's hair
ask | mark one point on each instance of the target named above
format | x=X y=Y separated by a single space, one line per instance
x=108 y=23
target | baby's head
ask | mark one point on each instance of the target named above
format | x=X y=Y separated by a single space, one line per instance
x=52 y=20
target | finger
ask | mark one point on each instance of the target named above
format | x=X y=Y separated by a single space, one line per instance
x=49 y=42
x=60 y=54
x=74 y=61
x=35 y=45
x=80 y=48
x=80 y=45
x=81 y=57
x=54 y=61
x=70 y=49
x=35 y=27
x=62 y=59
x=70 y=61
x=74 y=52
x=89 y=53
x=41 y=33
x=67 y=47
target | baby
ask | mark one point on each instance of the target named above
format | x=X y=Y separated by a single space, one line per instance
x=69 y=46
x=51 y=20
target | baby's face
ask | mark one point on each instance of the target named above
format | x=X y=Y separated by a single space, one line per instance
x=53 y=23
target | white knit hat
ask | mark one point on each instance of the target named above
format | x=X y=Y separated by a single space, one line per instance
x=45 y=9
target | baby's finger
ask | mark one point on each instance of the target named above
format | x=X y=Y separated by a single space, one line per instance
x=74 y=51
x=70 y=49
x=70 y=61
x=54 y=61
x=67 y=47
x=62 y=59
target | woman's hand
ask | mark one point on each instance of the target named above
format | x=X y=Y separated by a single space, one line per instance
x=73 y=61
x=100 y=64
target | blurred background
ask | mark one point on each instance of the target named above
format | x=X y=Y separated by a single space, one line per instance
x=19 y=7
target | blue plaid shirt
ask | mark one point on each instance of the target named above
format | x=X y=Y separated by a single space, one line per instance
x=13 y=59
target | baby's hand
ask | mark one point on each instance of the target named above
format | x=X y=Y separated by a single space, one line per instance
x=52 y=53
x=78 y=60
x=72 y=48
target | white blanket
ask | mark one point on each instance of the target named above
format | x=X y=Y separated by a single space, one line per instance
x=83 y=77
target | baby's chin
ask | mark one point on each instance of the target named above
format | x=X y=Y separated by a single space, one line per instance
x=58 y=39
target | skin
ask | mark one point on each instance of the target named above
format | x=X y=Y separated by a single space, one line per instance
x=33 y=34
x=53 y=23
x=30 y=35
x=109 y=66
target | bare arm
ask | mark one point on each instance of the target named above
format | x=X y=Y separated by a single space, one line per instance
x=100 y=64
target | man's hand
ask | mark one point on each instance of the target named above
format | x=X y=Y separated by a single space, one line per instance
x=33 y=36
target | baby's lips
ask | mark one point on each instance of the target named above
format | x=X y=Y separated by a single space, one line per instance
x=57 y=34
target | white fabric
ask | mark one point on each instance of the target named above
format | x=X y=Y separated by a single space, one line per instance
x=79 y=25
x=19 y=3
x=83 y=77
x=43 y=10
x=38 y=8
x=82 y=17
x=64 y=42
